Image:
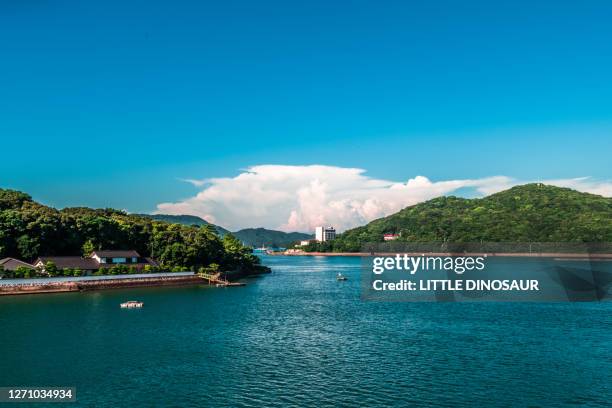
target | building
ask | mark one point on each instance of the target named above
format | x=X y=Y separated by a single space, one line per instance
x=68 y=262
x=390 y=237
x=306 y=242
x=115 y=257
x=11 y=264
x=323 y=234
x=97 y=260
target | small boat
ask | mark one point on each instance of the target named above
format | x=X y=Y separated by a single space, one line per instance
x=131 y=304
x=341 y=277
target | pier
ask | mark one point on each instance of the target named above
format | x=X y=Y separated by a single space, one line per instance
x=217 y=280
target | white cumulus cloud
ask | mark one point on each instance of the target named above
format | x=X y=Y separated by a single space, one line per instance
x=298 y=198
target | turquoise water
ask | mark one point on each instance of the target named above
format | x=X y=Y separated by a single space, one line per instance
x=299 y=337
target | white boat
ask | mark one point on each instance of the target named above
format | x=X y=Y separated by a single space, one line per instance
x=131 y=304
x=341 y=277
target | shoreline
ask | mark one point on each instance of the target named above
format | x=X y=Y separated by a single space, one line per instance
x=557 y=255
x=86 y=286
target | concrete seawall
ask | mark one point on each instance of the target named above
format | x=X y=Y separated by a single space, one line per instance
x=80 y=286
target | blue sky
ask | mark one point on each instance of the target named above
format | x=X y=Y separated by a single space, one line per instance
x=110 y=104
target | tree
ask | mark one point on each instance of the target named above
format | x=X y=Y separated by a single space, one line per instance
x=87 y=248
x=19 y=273
x=25 y=272
x=51 y=269
x=12 y=199
x=236 y=255
x=29 y=230
x=28 y=246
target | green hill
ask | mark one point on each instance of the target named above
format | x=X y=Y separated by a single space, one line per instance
x=29 y=229
x=528 y=213
x=258 y=237
x=253 y=237
x=184 y=220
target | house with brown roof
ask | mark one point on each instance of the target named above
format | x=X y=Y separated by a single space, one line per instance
x=68 y=262
x=115 y=257
x=11 y=264
x=97 y=260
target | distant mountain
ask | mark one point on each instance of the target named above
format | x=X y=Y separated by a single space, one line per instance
x=258 y=237
x=527 y=213
x=254 y=237
x=184 y=220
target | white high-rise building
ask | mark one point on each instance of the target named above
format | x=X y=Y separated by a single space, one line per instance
x=323 y=234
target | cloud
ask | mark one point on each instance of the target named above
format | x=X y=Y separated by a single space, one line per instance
x=195 y=182
x=584 y=184
x=298 y=198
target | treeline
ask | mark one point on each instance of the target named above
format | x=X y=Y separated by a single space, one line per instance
x=29 y=230
x=528 y=213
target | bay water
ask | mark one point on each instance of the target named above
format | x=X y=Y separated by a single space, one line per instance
x=299 y=337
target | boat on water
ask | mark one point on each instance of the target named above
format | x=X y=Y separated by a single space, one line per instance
x=341 y=277
x=131 y=304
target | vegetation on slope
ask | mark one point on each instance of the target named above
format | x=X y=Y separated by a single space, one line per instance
x=185 y=220
x=528 y=213
x=253 y=237
x=29 y=229
x=258 y=237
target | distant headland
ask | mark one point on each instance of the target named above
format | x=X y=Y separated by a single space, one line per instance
x=39 y=240
x=531 y=213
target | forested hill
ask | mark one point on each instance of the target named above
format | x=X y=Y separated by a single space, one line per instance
x=185 y=220
x=29 y=229
x=253 y=237
x=258 y=237
x=528 y=213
